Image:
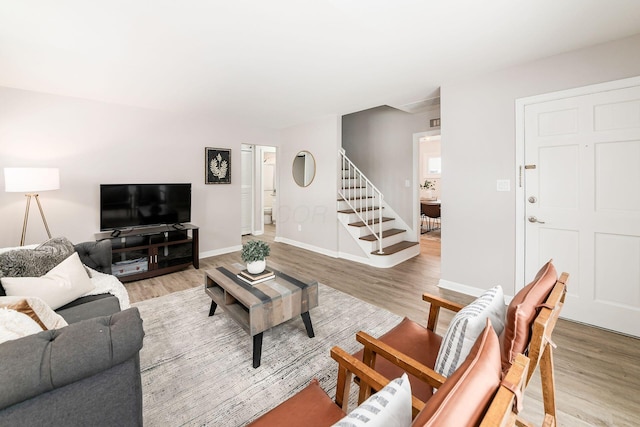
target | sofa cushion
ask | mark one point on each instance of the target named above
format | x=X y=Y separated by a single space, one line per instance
x=35 y=262
x=61 y=285
x=522 y=311
x=35 y=308
x=466 y=395
x=391 y=406
x=310 y=407
x=466 y=326
x=14 y=325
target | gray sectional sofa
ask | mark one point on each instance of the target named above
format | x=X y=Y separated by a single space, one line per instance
x=85 y=374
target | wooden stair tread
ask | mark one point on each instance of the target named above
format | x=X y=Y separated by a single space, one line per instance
x=366 y=209
x=370 y=222
x=390 y=250
x=386 y=233
x=342 y=199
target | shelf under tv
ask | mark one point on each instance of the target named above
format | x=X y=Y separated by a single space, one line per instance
x=157 y=250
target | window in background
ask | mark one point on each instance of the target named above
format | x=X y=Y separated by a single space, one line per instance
x=435 y=165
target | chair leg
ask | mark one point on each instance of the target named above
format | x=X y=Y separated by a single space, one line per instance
x=369 y=359
x=343 y=387
x=548 y=382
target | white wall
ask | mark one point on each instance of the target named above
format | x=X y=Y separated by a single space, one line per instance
x=307 y=215
x=96 y=143
x=478 y=134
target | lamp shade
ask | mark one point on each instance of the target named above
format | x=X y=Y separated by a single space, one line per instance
x=31 y=180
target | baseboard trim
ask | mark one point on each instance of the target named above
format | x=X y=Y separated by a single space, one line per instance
x=459 y=287
x=466 y=289
x=332 y=254
x=222 y=251
x=354 y=258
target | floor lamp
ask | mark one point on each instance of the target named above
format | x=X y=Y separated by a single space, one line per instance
x=31 y=181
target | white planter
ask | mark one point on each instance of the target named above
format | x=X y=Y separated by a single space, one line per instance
x=256 y=267
x=427 y=194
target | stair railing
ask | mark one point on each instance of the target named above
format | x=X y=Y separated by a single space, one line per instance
x=358 y=191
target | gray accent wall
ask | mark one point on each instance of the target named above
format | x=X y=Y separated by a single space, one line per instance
x=380 y=143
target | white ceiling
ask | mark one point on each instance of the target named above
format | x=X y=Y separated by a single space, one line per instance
x=281 y=62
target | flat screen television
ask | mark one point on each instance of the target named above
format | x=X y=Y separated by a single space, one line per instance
x=138 y=205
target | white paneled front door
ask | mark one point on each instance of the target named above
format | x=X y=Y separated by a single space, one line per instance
x=582 y=202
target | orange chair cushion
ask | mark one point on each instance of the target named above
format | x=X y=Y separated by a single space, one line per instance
x=310 y=407
x=416 y=341
x=465 y=396
x=522 y=312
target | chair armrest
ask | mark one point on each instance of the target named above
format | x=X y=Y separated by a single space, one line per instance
x=434 y=310
x=406 y=363
x=508 y=399
x=96 y=255
x=349 y=366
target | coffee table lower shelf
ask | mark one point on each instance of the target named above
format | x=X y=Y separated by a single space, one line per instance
x=259 y=307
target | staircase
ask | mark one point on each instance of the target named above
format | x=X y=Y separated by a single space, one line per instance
x=371 y=223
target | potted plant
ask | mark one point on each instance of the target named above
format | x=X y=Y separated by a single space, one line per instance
x=429 y=186
x=254 y=253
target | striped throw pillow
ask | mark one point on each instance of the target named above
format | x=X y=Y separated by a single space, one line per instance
x=391 y=406
x=466 y=326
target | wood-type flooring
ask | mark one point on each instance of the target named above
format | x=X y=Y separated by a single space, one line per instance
x=597 y=371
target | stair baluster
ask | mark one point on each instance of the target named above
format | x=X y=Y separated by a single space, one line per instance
x=356 y=180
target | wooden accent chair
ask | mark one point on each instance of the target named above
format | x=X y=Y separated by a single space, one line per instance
x=530 y=320
x=473 y=395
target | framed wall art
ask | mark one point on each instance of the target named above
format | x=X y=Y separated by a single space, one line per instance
x=217 y=168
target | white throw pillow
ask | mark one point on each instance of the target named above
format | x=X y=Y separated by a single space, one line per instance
x=64 y=283
x=35 y=308
x=466 y=326
x=391 y=406
x=14 y=325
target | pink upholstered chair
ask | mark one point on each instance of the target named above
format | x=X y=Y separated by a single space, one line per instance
x=473 y=395
x=529 y=322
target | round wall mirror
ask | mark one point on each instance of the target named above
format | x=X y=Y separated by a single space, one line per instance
x=304 y=168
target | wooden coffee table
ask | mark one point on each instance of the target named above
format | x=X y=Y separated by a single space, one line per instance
x=259 y=307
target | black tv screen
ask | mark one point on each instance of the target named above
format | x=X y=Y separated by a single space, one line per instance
x=138 y=205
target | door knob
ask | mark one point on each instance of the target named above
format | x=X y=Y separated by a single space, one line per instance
x=532 y=199
x=534 y=219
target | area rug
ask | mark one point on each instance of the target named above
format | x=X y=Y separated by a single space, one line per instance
x=197 y=370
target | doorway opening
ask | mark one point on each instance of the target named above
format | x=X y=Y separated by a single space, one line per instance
x=269 y=189
x=427 y=179
x=259 y=189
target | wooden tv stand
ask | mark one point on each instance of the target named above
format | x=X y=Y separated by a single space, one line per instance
x=141 y=253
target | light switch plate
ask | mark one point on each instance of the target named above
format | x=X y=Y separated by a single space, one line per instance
x=503 y=185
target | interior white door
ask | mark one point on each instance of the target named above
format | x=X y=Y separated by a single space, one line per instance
x=582 y=191
x=246 y=196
